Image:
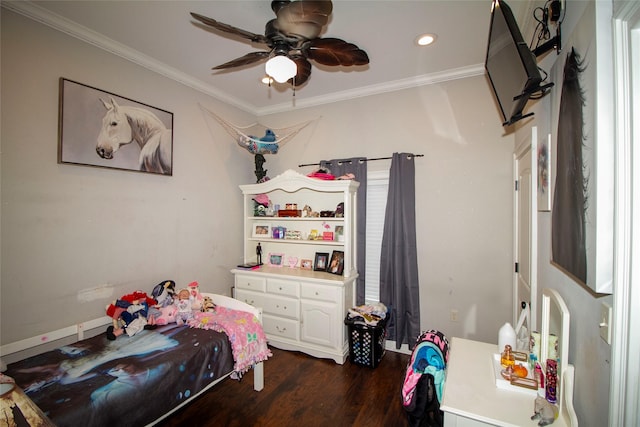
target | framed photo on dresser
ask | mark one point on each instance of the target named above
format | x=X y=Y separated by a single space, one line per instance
x=336 y=265
x=321 y=261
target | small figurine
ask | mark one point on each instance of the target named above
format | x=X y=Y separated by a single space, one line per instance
x=545 y=411
x=259 y=254
x=309 y=213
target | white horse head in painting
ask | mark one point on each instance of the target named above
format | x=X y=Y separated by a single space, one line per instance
x=122 y=125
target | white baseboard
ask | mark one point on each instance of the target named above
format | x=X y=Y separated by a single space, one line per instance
x=391 y=346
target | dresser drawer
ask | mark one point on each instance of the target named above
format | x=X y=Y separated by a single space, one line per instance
x=283 y=287
x=253 y=283
x=283 y=328
x=282 y=306
x=320 y=293
x=252 y=298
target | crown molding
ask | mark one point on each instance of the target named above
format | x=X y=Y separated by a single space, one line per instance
x=392 y=86
x=73 y=29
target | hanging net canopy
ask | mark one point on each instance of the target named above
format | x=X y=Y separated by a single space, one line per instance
x=257 y=138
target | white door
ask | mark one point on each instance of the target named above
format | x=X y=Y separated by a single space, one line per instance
x=525 y=233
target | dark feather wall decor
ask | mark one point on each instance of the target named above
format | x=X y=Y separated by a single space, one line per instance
x=568 y=215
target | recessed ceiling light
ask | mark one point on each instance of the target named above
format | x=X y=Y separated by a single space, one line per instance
x=426 y=39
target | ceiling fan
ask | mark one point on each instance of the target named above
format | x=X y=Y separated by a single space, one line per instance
x=292 y=40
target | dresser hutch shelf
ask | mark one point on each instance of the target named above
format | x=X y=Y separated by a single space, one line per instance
x=303 y=310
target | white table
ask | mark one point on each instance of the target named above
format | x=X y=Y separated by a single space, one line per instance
x=471 y=397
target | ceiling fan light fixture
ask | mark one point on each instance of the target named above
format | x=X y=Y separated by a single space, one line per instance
x=281 y=68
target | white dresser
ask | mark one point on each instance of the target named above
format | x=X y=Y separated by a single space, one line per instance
x=302 y=310
x=471 y=398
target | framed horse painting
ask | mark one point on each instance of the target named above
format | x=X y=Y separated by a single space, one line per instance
x=99 y=128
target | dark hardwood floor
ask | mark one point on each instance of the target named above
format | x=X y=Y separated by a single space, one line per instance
x=302 y=390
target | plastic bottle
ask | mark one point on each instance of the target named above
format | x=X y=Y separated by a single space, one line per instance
x=539 y=376
x=506 y=336
x=551 y=384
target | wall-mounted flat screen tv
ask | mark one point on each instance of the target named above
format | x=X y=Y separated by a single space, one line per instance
x=511 y=66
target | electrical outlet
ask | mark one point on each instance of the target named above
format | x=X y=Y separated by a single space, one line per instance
x=605 y=322
x=454 y=315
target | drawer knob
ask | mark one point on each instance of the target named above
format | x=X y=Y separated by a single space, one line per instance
x=281 y=329
x=280 y=288
x=317 y=293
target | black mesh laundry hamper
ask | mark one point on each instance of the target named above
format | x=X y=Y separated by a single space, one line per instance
x=366 y=342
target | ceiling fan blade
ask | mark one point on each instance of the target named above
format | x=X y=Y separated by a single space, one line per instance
x=249 y=58
x=256 y=38
x=303 y=72
x=303 y=18
x=332 y=51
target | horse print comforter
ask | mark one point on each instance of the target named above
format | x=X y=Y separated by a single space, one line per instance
x=131 y=381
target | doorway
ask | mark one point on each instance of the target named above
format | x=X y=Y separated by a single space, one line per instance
x=525 y=245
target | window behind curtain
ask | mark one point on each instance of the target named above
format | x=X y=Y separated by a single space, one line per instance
x=377 y=189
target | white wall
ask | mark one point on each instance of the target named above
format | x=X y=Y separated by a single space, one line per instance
x=84 y=227
x=463 y=184
x=68 y=229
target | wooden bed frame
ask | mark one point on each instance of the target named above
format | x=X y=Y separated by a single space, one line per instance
x=78 y=332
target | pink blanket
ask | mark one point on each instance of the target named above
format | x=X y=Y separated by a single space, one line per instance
x=248 y=341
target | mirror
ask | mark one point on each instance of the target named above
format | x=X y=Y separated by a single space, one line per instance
x=555 y=338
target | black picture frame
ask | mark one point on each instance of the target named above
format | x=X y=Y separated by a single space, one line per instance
x=336 y=265
x=321 y=261
x=89 y=135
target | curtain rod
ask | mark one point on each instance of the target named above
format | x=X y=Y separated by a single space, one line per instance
x=366 y=160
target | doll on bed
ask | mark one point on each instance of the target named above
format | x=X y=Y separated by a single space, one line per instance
x=129 y=314
x=164 y=312
x=185 y=309
x=195 y=296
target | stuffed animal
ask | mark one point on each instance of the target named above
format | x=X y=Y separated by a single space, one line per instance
x=164 y=293
x=167 y=315
x=207 y=305
x=129 y=314
x=185 y=311
x=545 y=411
x=194 y=296
x=309 y=213
x=163 y=312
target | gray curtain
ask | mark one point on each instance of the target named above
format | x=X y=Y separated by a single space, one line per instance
x=399 y=288
x=358 y=167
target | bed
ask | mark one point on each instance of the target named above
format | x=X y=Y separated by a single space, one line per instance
x=139 y=380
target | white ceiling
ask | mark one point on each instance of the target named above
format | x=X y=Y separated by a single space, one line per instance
x=162 y=36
